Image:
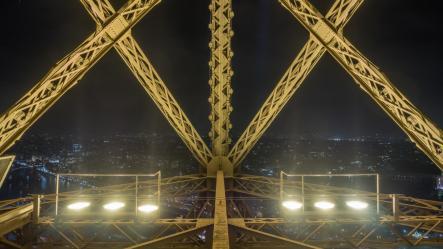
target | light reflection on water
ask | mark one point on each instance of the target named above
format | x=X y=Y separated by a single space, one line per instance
x=24 y=182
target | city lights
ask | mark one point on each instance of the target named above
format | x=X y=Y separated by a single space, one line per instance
x=324 y=205
x=358 y=205
x=148 y=208
x=292 y=205
x=79 y=205
x=113 y=206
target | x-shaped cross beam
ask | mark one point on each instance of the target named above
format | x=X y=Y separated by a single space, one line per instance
x=338 y=15
x=326 y=35
x=114 y=30
x=129 y=50
x=421 y=130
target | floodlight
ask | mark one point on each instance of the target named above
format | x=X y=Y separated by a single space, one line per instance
x=358 y=205
x=148 y=208
x=113 y=206
x=325 y=205
x=292 y=205
x=79 y=205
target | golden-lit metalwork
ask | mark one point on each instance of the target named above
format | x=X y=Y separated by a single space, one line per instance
x=220 y=209
x=420 y=218
x=421 y=130
x=221 y=236
x=221 y=73
x=5 y=165
x=67 y=72
x=143 y=70
x=339 y=14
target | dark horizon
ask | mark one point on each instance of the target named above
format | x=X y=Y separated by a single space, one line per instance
x=400 y=37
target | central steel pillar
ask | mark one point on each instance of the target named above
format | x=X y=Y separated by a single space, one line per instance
x=220 y=238
x=220 y=85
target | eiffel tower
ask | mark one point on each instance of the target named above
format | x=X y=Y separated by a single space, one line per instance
x=221 y=215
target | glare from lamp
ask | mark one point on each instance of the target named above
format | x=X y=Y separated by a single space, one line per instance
x=324 y=205
x=358 y=205
x=113 y=206
x=79 y=205
x=148 y=208
x=292 y=205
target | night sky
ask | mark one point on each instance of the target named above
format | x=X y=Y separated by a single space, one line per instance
x=402 y=37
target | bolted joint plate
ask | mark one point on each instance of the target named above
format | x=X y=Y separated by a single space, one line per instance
x=117 y=25
x=220 y=163
x=324 y=29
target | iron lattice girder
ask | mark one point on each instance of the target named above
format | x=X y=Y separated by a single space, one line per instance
x=68 y=72
x=136 y=60
x=419 y=215
x=220 y=77
x=426 y=215
x=339 y=15
x=350 y=234
x=427 y=136
x=268 y=188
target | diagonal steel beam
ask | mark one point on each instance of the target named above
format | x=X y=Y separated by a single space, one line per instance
x=313 y=232
x=279 y=238
x=419 y=128
x=124 y=233
x=136 y=60
x=416 y=243
x=5 y=166
x=67 y=72
x=168 y=237
x=65 y=237
x=339 y=14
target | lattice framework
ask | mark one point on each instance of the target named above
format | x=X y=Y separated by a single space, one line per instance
x=229 y=218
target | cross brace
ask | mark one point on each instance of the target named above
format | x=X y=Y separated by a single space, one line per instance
x=339 y=15
x=326 y=35
x=68 y=72
x=140 y=66
x=427 y=136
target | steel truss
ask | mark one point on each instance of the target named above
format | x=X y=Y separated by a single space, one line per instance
x=339 y=15
x=421 y=130
x=214 y=209
x=221 y=73
x=410 y=221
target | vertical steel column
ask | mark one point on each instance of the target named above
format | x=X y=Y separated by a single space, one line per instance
x=36 y=208
x=395 y=207
x=57 y=179
x=221 y=73
x=378 y=193
x=136 y=196
x=220 y=238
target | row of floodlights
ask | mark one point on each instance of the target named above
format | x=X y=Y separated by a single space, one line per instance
x=325 y=205
x=112 y=206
